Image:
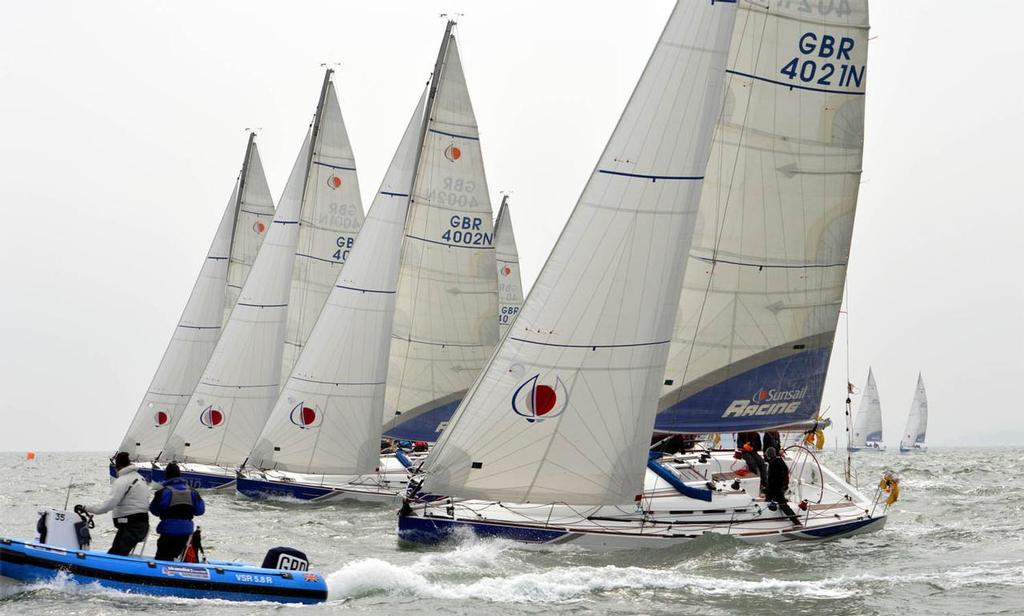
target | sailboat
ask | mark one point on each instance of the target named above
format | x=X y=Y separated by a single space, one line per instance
x=419 y=339
x=318 y=213
x=867 y=426
x=917 y=422
x=550 y=446
x=239 y=236
x=510 y=283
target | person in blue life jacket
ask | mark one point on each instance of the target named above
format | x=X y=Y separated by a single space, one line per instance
x=175 y=504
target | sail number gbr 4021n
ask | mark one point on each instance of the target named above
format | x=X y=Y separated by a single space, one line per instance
x=824 y=60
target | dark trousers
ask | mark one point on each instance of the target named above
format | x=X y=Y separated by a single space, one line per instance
x=129 y=534
x=756 y=465
x=780 y=500
x=170 y=547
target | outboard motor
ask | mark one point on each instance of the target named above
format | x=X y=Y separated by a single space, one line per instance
x=288 y=559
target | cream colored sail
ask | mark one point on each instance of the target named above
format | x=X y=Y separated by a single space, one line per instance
x=327 y=419
x=867 y=425
x=445 y=326
x=253 y=214
x=917 y=421
x=239 y=385
x=200 y=324
x=332 y=213
x=510 y=284
x=564 y=410
x=767 y=268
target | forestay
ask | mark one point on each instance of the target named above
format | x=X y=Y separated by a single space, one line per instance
x=564 y=410
x=332 y=213
x=917 y=420
x=766 y=272
x=200 y=324
x=445 y=326
x=510 y=285
x=327 y=419
x=867 y=426
x=230 y=404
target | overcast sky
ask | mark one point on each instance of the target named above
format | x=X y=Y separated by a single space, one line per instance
x=123 y=125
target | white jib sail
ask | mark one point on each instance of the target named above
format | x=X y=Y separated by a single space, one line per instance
x=327 y=419
x=867 y=426
x=253 y=214
x=200 y=324
x=767 y=268
x=445 y=326
x=239 y=385
x=332 y=213
x=565 y=408
x=510 y=284
x=917 y=420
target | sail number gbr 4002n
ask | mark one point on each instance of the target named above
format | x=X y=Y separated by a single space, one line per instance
x=825 y=60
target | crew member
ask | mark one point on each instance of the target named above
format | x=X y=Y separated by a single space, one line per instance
x=129 y=496
x=772 y=439
x=175 y=504
x=749 y=444
x=778 y=483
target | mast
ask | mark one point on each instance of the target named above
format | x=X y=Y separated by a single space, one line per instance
x=316 y=130
x=435 y=79
x=241 y=190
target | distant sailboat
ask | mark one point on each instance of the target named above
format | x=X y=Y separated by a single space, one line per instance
x=433 y=322
x=917 y=422
x=551 y=443
x=239 y=236
x=240 y=384
x=867 y=425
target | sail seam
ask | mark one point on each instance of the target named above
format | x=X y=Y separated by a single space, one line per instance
x=456 y=135
x=591 y=346
x=341 y=286
x=652 y=177
x=330 y=166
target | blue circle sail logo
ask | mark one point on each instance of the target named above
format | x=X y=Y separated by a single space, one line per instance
x=536 y=401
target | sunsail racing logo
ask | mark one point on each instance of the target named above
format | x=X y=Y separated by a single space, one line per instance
x=536 y=401
x=768 y=402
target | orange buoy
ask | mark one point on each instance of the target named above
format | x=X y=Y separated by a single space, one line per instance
x=30 y=455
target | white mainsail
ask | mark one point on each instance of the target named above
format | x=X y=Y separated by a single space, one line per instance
x=445 y=326
x=917 y=420
x=253 y=213
x=767 y=267
x=332 y=213
x=564 y=410
x=327 y=419
x=867 y=425
x=241 y=231
x=510 y=284
x=230 y=404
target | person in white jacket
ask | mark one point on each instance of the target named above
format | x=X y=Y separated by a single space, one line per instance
x=128 y=504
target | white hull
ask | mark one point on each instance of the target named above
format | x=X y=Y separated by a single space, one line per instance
x=665 y=517
x=869 y=447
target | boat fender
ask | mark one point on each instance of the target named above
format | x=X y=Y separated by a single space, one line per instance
x=403 y=459
x=285 y=558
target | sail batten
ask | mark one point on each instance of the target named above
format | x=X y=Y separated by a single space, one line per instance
x=564 y=410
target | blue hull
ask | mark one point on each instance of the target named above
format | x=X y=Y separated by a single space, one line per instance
x=262 y=488
x=30 y=562
x=431 y=530
x=436 y=530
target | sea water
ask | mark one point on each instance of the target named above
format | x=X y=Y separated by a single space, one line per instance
x=954 y=544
